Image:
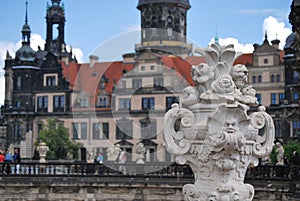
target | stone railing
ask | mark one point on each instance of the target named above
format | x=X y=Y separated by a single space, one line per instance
x=157 y=169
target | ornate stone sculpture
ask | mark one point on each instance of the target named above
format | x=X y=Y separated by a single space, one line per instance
x=42 y=149
x=217 y=137
x=280 y=154
x=113 y=153
x=141 y=150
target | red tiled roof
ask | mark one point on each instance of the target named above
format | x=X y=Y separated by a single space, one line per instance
x=195 y=60
x=84 y=78
x=244 y=59
x=182 y=67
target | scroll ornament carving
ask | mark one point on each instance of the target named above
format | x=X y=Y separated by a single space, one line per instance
x=211 y=130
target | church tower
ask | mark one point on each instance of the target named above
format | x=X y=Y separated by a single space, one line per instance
x=164 y=26
x=55 y=20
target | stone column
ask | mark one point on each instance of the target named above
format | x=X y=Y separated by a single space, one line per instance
x=217 y=137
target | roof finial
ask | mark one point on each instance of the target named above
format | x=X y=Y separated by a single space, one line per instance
x=216 y=37
x=26 y=15
x=266 y=35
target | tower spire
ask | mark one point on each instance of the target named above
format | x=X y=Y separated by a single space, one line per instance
x=26 y=13
x=217 y=37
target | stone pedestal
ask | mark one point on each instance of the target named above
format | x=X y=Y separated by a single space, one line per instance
x=217 y=136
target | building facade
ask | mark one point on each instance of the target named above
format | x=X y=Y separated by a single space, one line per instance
x=104 y=104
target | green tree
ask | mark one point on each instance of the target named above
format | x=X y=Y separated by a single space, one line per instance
x=56 y=136
x=289 y=148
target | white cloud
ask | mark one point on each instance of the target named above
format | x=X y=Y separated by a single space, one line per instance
x=77 y=52
x=276 y=29
x=244 y=48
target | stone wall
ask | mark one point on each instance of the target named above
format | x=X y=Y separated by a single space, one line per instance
x=117 y=189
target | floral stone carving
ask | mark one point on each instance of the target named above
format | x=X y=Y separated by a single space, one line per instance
x=212 y=131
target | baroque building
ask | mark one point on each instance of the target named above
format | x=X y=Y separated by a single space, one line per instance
x=104 y=104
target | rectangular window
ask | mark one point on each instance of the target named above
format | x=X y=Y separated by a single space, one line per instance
x=102 y=102
x=148 y=103
x=259 y=98
x=105 y=130
x=124 y=129
x=278 y=128
x=124 y=104
x=83 y=131
x=296 y=128
x=50 y=81
x=96 y=131
x=273 y=99
x=59 y=103
x=158 y=82
x=148 y=129
x=17 y=133
x=42 y=104
x=281 y=97
x=136 y=83
x=75 y=131
x=295 y=96
x=100 y=130
x=170 y=100
x=19 y=81
x=80 y=131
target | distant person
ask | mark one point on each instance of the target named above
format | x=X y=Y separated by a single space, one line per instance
x=295 y=160
x=16 y=156
x=8 y=156
x=122 y=161
x=100 y=158
x=17 y=159
x=2 y=157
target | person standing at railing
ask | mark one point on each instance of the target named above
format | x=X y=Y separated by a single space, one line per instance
x=2 y=158
x=17 y=159
x=122 y=161
x=8 y=159
x=8 y=156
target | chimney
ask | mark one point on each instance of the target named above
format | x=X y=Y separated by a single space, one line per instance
x=275 y=43
x=93 y=60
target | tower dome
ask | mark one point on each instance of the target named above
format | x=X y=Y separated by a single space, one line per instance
x=25 y=53
x=164 y=26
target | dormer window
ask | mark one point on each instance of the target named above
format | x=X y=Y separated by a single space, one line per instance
x=50 y=80
x=102 y=85
x=266 y=61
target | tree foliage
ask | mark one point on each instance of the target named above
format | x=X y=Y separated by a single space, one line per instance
x=289 y=148
x=56 y=136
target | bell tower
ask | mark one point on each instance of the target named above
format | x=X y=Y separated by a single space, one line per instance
x=164 y=26
x=55 y=20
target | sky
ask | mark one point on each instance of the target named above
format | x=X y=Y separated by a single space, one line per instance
x=111 y=28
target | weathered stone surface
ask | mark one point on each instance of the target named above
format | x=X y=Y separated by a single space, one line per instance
x=217 y=137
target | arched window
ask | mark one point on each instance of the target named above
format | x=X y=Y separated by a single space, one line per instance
x=272 y=78
x=253 y=79
x=278 y=78
x=259 y=80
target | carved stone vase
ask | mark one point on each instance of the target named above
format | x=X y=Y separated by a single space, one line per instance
x=42 y=149
x=213 y=131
